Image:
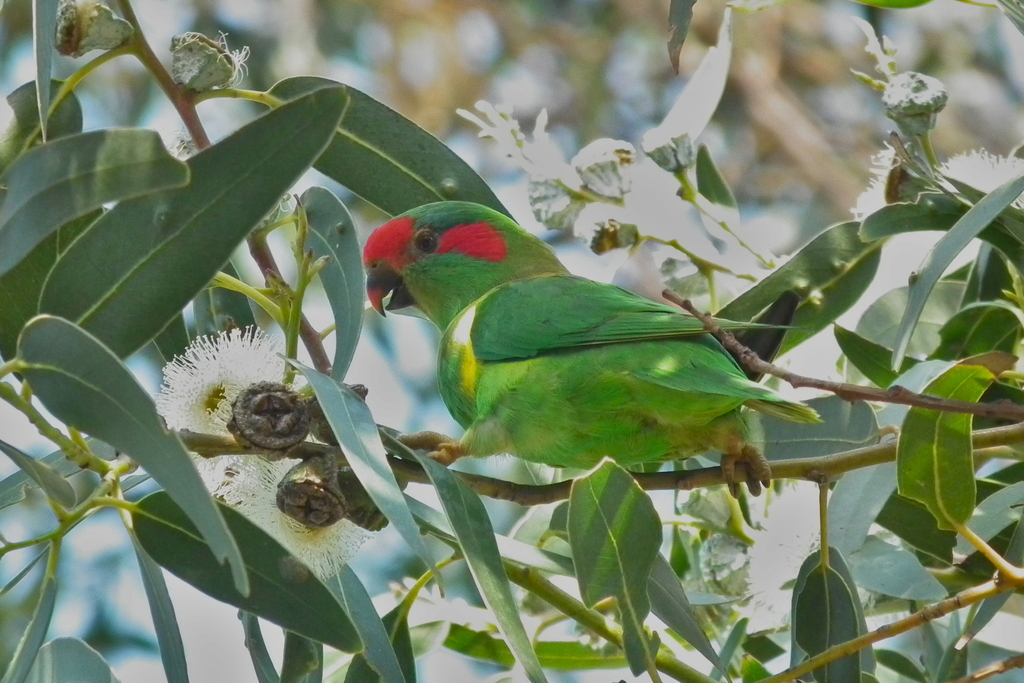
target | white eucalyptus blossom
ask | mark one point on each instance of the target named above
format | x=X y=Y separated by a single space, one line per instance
x=873 y=198
x=983 y=171
x=198 y=391
x=605 y=167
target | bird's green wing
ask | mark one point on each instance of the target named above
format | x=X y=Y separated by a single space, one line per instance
x=534 y=316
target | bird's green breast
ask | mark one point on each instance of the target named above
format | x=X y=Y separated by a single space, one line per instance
x=458 y=368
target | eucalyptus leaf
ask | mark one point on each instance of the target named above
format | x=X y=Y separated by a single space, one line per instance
x=44 y=36
x=994 y=514
x=979 y=328
x=555 y=655
x=67 y=178
x=870 y=358
x=825 y=616
x=886 y=569
x=35 y=631
x=21 y=286
x=165 y=623
x=49 y=480
x=901 y=664
x=356 y=432
x=23 y=133
x=301 y=660
x=732 y=643
x=146 y=258
x=85 y=386
x=880 y=322
x=991 y=606
x=64 y=660
x=943 y=253
x=282 y=590
x=378 y=650
x=173 y=340
x=830 y=274
x=680 y=14
x=844 y=426
x=670 y=604
x=710 y=181
x=333 y=234
x=387 y=159
x=914 y=524
x=753 y=671
x=615 y=535
x=397 y=624
x=262 y=665
x=25 y=571
x=934 y=455
x=468 y=517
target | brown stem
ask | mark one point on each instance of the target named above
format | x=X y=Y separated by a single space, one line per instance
x=848 y=392
x=208 y=445
x=993 y=669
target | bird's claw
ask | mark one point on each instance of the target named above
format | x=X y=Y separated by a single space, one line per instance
x=441 y=448
x=758 y=471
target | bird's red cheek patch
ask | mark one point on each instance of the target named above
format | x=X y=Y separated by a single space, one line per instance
x=389 y=242
x=479 y=240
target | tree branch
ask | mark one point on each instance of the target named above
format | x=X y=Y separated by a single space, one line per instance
x=993 y=669
x=812 y=469
x=848 y=392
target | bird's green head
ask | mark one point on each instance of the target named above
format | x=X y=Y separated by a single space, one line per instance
x=442 y=257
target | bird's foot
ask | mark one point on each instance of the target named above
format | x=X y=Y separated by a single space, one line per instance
x=758 y=471
x=441 y=448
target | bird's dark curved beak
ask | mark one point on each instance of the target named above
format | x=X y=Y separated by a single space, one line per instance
x=381 y=280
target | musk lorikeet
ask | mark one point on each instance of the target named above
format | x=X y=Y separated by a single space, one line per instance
x=554 y=368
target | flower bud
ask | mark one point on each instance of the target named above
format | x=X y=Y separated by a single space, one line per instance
x=913 y=101
x=553 y=203
x=604 y=167
x=670 y=153
x=359 y=507
x=269 y=415
x=611 y=234
x=200 y=63
x=86 y=26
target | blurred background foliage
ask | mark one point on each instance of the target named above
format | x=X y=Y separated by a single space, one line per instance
x=793 y=136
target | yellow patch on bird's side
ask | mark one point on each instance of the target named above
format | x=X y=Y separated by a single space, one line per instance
x=463 y=343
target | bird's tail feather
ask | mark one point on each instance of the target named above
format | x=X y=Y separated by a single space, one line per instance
x=786 y=410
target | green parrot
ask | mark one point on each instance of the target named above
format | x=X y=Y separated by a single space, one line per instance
x=554 y=368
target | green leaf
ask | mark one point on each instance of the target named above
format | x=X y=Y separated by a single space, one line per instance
x=468 y=517
x=23 y=132
x=356 y=432
x=731 y=645
x=25 y=571
x=871 y=359
x=1014 y=11
x=67 y=178
x=825 y=616
x=333 y=234
x=895 y=4
x=85 y=386
x=378 y=650
x=991 y=606
x=397 y=624
x=886 y=569
x=901 y=664
x=680 y=14
x=980 y=328
x=670 y=604
x=989 y=276
x=254 y=643
x=44 y=35
x=49 y=480
x=217 y=309
x=168 y=637
x=35 y=630
x=752 y=670
x=830 y=274
x=710 y=182
x=934 y=455
x=301 y=660
x=943 y=253
x=880 y=322
x=556 y=655
x=763 y=648
x=387 y=159
x=844 y=426
x=21 y=286
x=146 y=258
x=65 y=660
x=916 y=526
x=615 y=535
x=282 y=591
x=995 y=513
x=173 y=340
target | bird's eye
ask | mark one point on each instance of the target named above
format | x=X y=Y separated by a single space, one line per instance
x=425 y=241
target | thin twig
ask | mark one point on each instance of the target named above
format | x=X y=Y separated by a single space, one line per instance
x=993 y=669
x=848 y=392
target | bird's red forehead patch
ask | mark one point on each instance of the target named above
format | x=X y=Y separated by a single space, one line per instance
x=389 y=241
x=479 y=240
